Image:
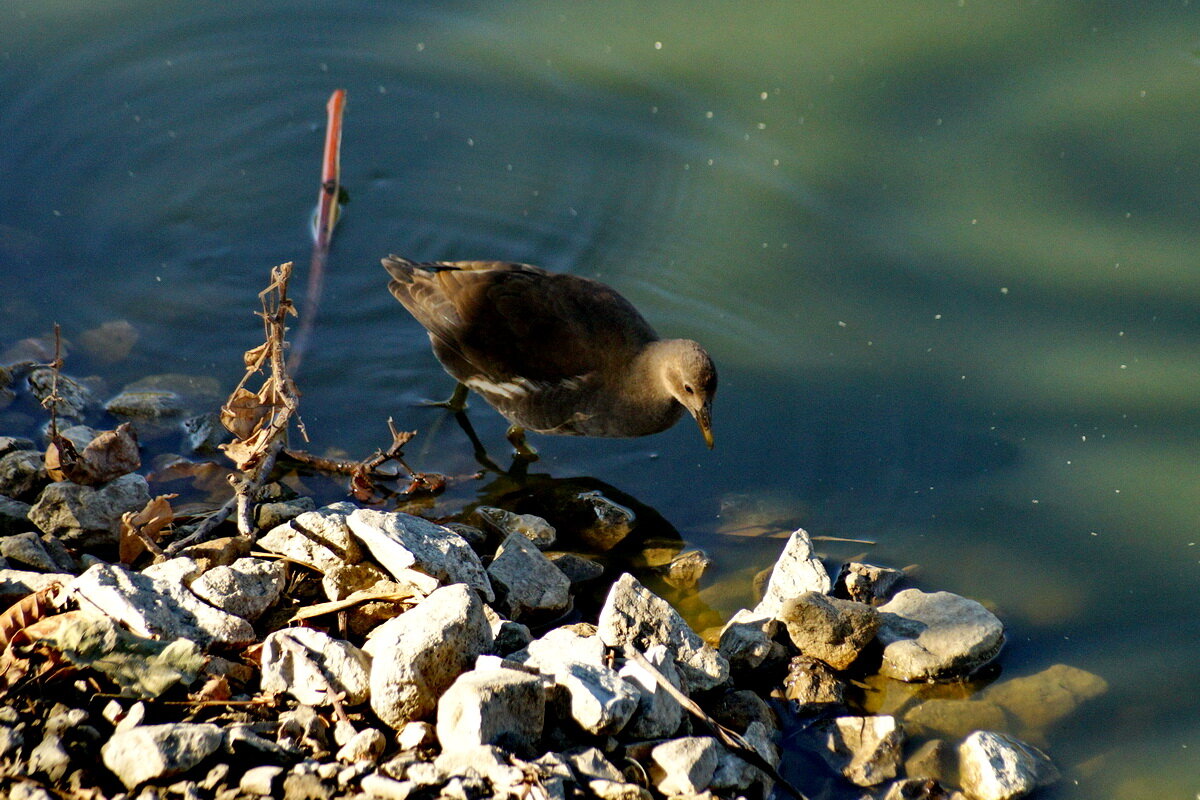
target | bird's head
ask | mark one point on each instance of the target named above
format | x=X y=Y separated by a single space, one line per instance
x=692 y=380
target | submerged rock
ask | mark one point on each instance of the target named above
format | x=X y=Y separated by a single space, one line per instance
x=505 y=523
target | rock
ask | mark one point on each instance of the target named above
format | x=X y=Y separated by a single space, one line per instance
x=935 y=636
x=920 y=789
x=180 y=570
x=685 y=766
x=658 y=714
x=865 y=750
x=995 y=766
x=578 y=569
x=812 y=686
x=503 y=707
x=747 y=640
x=17 y=583
x=826 y=628
x=796 y=571
x=22 y=474
x=87 y=517
x=204 y=433
x=1039 y=701
x=12 y=740
x=14 y=516
x=527 y=585
x=612 y=522
x=27 y=550
x=308 y=664
x=149 y=752
x=618 y=790
x=740 y=708
x=76 y=400
x=508 y=637
x=157 y=608
x=685 y=570
x=384 y=788
x=109 y=342
x=245 y=588
x=270 y=515
x=505 y=523
x=634 y=615
x=342 y=581
x=953 y=718
x=264 y=780
x=9 y=444
x=565 y=644
x=588 y=764
x=419 y=654
x=933 y=760
x=399 y=541
x=321 y=538
x=302 y=729
x=366 y=745
x=156 y=404
x=601 y=702
x=739 y=775
x=49 y=759
x=866 y=583
x=416 y=734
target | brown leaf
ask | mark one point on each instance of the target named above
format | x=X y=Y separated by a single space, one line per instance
x=256 y=357
x=215 y=688
x=23 y=613
x=145 y=524
x=62 y=459
x=243 y=413
x=111 y=454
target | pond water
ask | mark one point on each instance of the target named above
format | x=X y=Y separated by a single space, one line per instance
x=943 y=254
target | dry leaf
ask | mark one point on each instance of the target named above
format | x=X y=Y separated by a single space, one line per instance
x=215 y=688
x=145 y=524
x=62 y=459
x=243 y=413
x=23 y=613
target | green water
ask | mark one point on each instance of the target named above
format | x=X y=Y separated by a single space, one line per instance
x=942 y=253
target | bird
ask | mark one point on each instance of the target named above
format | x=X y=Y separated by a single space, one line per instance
x=553 y=353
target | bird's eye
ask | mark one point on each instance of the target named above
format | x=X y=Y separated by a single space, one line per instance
x=688 y=389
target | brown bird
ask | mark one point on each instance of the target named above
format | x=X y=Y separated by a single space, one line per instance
x=554 y=353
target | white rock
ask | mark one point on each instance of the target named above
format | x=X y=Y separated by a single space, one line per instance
x=865 y=750
x=247 y=587
x=995 y=766
x=148 y=752
x=589 y=763
x=797 y=570
x=931 y=636
x=156 y=608
x=417 y=655
x=658 y=714
x=321 y=538
x=601 y=701
x=366 y=745
x=504 y=707
x=527 y=584
x=532 y=528
x=384 y=788
x=309 y=664
x=566 y=644
x=746 y=640
x=261 y=780
x=416 y=734
x=401 y=541
x=632 y=614
x=686 y=765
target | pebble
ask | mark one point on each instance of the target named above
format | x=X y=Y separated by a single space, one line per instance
x=686 y=765
x=246 y=588
x=797 y=570
x=149 y=752
x=865 y=750
x=14 y=516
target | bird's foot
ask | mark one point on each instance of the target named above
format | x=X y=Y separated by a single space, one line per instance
x=524 y=450
x=456 y=402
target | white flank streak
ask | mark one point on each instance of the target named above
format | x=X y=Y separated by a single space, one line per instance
x=508 y=390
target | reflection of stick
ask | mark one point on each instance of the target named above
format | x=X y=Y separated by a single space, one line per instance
x=326 y=219
x=731 y=739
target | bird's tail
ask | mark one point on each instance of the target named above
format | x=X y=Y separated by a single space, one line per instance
x=401 y=269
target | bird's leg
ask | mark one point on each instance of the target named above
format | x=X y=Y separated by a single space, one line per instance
x=516 y=435
x=457 y=402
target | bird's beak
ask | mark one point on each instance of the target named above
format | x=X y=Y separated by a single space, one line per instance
x=704 y=419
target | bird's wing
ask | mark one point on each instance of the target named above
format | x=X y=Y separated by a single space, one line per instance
x=516 y=320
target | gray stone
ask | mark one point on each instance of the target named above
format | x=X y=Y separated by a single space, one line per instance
x=748 y=639
x=505 y=523
x=934 y=636
x=271 y=515
x=309 y=664
x=419 y=654
x=9 y=444
x=735 y=773
x=150 y=752
x=12 y=739
x=685 y=570
x=618 y=790
x=634 y=615
x=384 y=788
x=601 y=702
x=797 y=570
x=401 y=541
x=14 y=516
x=49 y=759
x=1040 y=700
x=156 y=608
x=204 y=432
x=612 y=523
x=566 y=644
x=527 y=585
x=76 y=399
x=246 y=588
x=658 y=714
x=264 y=780
x=18 y=583
x=321 y=538
x=22 y=474
x=934 y=760
x=366 y=745
x=826 y=628
x=865 y=750
x=504 y=707
x=87 y=516
x=578 y=569
x=740 y=708
x=812 y=686
x=416 y=734
x=27 y=550
x=588 y=764
x=867 y=583
x=995 y=766
x=685 y=766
